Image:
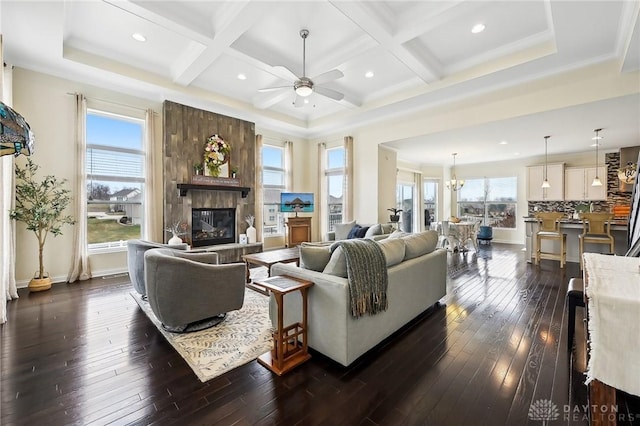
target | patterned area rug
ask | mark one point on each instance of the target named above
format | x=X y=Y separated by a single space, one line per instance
x=243 y=336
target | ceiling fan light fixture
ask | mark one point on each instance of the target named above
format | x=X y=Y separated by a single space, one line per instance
x=303 y=88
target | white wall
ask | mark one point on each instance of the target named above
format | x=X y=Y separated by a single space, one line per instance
x=386 y=193
x=304 y=176
x=48 y=106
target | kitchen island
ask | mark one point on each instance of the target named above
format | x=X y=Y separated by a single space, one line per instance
x=573 y=228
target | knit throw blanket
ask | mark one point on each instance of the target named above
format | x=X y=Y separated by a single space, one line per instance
x=367 y=276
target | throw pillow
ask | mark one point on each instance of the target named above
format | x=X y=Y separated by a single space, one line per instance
x=314 y=258
x=393 y=250
x=419 y=244
x=398 y=234
x=354 y=232
x=360 y=233
x=342 y=230
x=337 y=264
x=374 y=230
x=386 y=228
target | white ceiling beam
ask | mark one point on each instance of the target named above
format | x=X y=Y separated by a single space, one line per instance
x=238 y=19
x=629 y=35
x=170 y=23
x=367 y=19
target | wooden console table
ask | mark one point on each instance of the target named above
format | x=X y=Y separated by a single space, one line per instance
x=299 y=230
x=287 y=351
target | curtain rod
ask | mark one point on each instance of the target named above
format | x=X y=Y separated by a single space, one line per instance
x=111 y=102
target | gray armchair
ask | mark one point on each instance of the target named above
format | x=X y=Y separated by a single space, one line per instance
x=189 y=291
x=135 y=260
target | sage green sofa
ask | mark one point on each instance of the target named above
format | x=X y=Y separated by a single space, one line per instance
x=417 y=275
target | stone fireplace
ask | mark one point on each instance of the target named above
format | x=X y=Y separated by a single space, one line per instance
x=213 y=226
x=185 y=131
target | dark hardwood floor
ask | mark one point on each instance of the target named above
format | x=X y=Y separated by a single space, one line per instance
x=86 y=354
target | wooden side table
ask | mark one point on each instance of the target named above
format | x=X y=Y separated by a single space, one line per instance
x=287 y=351
x=299 y=230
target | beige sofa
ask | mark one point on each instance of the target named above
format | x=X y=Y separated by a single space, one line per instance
x=417 y=280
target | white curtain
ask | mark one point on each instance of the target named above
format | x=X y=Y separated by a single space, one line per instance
x=152 y=231
x=322 y=188
x=259 y=192
x=80 y=268
x=417 y=181
x=8 y=290
x=347 y=182
x=288 y=165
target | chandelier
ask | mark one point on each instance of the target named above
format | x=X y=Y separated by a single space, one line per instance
x=16 y=136
x=454 y=184
x=627 y=174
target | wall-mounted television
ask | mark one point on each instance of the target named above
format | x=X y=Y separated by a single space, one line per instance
x=296 y=202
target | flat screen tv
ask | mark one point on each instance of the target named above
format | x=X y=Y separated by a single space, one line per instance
x=296 y=202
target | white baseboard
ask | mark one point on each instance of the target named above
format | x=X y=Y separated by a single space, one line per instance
x=63 y=278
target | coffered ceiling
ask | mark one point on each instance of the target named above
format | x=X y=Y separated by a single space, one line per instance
x=421 y=54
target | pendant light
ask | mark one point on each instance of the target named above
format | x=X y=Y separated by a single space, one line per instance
x=545 y=182
x=454 y=184
x=596 y=180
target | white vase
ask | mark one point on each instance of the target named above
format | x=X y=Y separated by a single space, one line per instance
x=175 y=240
x=251 y=234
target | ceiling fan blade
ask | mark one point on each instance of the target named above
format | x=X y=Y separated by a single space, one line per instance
x=329 y=93
x=271 y=89
x=328 y=76
x=286 y=73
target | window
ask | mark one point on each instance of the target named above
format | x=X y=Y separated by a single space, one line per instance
x=493 y=200
x=273 y=182
x=335 y=185
x=430 y=191
x=115 y=178
x=405 y=201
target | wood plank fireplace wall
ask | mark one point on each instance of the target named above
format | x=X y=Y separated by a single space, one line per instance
x=185 y=132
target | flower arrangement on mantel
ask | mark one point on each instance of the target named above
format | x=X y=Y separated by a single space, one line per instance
x=216 y=153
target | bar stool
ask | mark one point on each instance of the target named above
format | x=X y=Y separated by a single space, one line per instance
x=549 y=229
x=596 y=229
x=575 y=298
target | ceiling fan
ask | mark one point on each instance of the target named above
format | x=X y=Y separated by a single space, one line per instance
x=305 y=86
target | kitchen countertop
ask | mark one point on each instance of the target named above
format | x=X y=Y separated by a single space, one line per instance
x=616 y=222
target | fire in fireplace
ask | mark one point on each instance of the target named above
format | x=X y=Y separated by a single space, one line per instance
x=212 y=226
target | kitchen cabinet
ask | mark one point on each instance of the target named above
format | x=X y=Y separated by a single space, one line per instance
x=578 y=184
x=535 y=176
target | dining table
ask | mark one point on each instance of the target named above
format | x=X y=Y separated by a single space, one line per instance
x=459 y=234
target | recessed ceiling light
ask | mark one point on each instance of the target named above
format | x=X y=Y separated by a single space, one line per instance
x=242 y=76
x=369 y=74
x=138 y=37
x=503 y=142
x=478 y=28
x=516 y=153
x=306 y=101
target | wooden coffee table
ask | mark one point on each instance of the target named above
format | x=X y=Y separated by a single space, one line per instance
x=270 y=258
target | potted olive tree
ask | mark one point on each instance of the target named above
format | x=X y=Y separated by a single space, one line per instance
x=40 y=205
